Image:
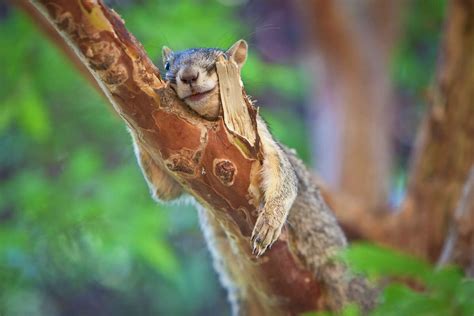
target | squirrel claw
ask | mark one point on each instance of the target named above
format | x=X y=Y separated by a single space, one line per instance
x=264 y=234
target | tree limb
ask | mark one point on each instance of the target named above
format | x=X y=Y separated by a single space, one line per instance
x=56 y=38
x=214 y=164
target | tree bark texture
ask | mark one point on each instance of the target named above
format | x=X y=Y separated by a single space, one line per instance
x=47 y=28
x=214 y=164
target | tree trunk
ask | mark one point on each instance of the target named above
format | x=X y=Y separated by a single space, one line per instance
x=442 y=159
x=353 y=96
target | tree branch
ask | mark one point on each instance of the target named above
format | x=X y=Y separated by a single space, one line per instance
x=214 y=164
x=57 y=40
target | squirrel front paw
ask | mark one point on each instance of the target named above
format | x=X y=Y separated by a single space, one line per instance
x=266 y=231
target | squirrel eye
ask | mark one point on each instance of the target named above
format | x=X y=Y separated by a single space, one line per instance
x=167 y=66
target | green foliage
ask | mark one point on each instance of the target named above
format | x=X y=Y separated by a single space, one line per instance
x=436 y=292
x=377 y=262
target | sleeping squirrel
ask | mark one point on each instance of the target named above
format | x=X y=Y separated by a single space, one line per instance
x=313 y=234
x=192 y=74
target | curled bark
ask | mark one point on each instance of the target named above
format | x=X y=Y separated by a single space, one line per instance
x=217 y=165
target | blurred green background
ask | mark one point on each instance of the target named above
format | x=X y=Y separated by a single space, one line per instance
x=79 y=233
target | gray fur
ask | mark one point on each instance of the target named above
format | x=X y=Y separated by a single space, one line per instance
x=202 y=57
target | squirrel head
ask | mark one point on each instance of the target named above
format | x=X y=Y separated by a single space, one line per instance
x=192 y=74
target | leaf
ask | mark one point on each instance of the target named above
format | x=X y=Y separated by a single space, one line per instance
x=446 y=280
x=397 y=300
x=377 y=261
x=464 y=297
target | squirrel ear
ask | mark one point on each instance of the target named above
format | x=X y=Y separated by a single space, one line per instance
x=166 y=52
x=238 y=52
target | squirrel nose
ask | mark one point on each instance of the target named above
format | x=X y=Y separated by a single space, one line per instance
x=189 y=75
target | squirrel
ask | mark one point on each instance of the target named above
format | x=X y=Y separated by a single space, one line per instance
x=192 y=74
x=290 y=193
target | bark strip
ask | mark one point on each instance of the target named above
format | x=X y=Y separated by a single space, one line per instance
x=239 y=119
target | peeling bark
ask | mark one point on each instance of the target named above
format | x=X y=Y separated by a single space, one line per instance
x=240 y=120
